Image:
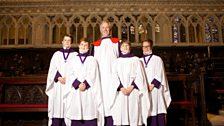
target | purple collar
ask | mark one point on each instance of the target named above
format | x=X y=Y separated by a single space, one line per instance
x=147 y=55
x=85 y=55
x=68 y=51
x=126 y=55
x=146 y=62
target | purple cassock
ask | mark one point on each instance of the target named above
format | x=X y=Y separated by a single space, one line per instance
x=158 y=120
x=58 y=122
x=84 y=122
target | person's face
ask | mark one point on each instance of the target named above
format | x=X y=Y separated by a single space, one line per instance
x=83 y=47
x=125 y=48
x=66 y=42
x=146 y=48
x=105 y=29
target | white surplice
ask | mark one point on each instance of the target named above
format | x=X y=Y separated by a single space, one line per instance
x=106 y=54
x=133 y=109
x=55 y=90
x=88 y=104
x=159 y=97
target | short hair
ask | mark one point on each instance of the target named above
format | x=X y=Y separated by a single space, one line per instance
x=106 y=21
x=70 y=36
x=126 y=41
x=85 y=40
x=149 y=41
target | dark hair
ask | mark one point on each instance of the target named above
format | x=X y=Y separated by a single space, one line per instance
x=70 y=36
x=149 y=41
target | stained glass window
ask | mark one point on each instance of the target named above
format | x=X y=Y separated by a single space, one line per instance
x=178 y=30
x=211 y=30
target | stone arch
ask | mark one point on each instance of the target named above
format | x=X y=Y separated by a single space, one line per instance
x=162 y=23
x=76 y=27
x=7 y=30
x=59 y=28
x=25 y=29
x=41 y=30
x=195 y=28
x=178 y=28
x=127 y=22
x=92 y=28
x=216 y=20
x=212 y=28
x=194 y=19
x=145 y=31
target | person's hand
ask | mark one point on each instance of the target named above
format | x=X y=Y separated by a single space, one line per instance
x=130 y=89
x=61 y=80
x=82 y=87
x=124 y=91
x=151 y=86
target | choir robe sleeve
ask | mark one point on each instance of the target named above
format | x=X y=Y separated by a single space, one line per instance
x=93 y=80
x=71 y=79
x=72 y=76
x=161 y=76
x=140 y=81
x=158 y=74
x=116 y=82
x=52 y=72
x=137 y=76
x=50 y=82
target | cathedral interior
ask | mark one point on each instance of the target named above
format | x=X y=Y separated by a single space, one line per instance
x=187 y=34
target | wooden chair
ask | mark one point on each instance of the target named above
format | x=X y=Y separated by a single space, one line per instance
x=182 y=96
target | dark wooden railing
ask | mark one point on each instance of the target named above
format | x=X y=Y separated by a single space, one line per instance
x=23 y=94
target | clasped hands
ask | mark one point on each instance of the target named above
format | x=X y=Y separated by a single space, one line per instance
x=127 y=91
x=82 y=86
x=61 y=80
x=150 y=87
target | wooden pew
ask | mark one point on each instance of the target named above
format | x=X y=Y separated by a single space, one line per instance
x=14 y=89
x=182 y=95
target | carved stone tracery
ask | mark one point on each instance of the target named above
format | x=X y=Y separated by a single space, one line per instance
x=47 y=21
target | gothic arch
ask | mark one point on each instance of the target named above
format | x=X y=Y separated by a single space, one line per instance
x=194 y=19
x=59 y=27
x=93 y=27
x=128 y=22
x=178 y=28
x=216 y=20
x=195 y=29
x=41 y=30
x=145 y=31
x=183 y=20
x=76 y=27
x=113 y=19
x=7 y=30
x=162 y=23
x=25 y=29
x=76 y=20
x=212 y=28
